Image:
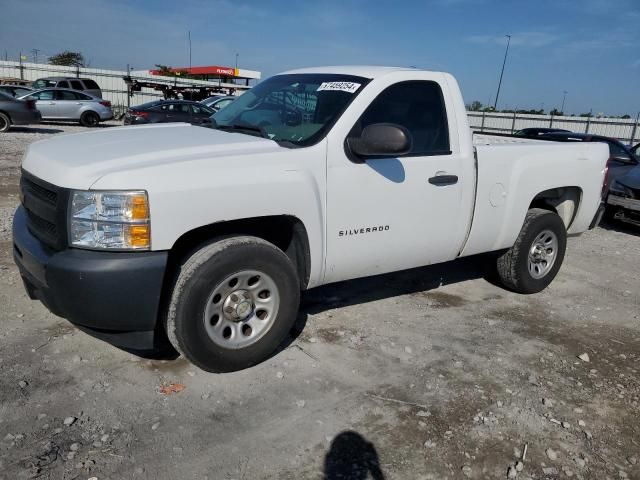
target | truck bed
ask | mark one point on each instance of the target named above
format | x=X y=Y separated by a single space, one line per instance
x=491 y=139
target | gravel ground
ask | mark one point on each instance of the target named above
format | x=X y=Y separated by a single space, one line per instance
x=432 y=373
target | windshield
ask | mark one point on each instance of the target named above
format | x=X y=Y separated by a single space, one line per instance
x=296 y=109
x=44 y=83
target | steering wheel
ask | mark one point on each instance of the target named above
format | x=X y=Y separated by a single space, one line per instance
x=291 y=116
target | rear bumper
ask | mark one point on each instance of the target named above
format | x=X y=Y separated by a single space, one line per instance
x=26 y=118
x=114 y=296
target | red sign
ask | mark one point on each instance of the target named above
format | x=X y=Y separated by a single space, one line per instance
x=210 y=70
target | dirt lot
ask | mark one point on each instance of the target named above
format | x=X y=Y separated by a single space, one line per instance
x=432 y=373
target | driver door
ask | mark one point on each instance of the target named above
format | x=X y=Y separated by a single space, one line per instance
x=46 y=103
x=388 y=214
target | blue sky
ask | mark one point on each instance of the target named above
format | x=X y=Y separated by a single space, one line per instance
x=591 y=48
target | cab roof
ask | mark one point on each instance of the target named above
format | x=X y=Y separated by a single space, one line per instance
x=366 y=71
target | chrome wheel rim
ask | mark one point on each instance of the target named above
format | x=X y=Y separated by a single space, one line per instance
x=241 y=309
x=543 y=254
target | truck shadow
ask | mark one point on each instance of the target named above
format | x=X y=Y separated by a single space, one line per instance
x=370 y=289
x=619 y=226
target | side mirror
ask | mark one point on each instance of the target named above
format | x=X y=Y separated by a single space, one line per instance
x=381 y=140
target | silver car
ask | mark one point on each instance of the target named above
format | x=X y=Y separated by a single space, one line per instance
x=70 y=105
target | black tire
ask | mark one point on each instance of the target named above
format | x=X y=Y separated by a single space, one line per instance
x=5 y=122
x=89 y=119
x=513 y=265
x=198 y=278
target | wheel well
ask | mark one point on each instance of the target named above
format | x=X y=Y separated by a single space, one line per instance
x=562 y=200
x=284 y=231
x=8 y=116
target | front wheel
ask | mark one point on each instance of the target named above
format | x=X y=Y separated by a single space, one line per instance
x=89 y=119
x=234 y=302
x=536 y=257
x=5 y=122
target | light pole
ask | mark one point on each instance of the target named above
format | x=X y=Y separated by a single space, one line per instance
x=237 y=55
x=495 y=105
x=189 y=35
x=564 y=97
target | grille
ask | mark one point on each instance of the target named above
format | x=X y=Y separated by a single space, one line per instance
x=46 y=207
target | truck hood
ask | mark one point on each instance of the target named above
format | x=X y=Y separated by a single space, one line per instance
x=80 y=160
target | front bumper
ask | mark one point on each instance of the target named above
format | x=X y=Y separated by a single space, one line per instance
x=114 y=296
x=625 y=209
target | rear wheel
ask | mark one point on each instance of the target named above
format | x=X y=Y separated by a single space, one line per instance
x=5 y=122
x=536 y=257
x=234 y=302
x=89 y=119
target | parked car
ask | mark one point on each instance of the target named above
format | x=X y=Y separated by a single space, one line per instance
x=16 y=91
x=85 y=85
x=211 y=233
x=16 y=112
x=217 y=102
x=621 y=158
x=166 y=111
x=66 y=105
x=623 y=201
x=537 y=131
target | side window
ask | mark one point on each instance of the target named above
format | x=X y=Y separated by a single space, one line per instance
x=419 y=107
x=63 y=84
x=90 y=84
x=44 y=95
x=65 y=95
x=82 y=96
x=77 y=85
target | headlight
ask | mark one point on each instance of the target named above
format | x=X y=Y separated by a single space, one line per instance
x=110 y=220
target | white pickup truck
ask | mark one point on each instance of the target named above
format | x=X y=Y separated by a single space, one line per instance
x=207 y=236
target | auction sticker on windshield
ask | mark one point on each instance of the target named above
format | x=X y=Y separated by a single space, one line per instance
x=350 y=87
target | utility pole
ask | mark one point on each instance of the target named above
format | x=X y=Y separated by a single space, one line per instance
x=21 y=67
x=495 y=105
x=35 y=51
x=189 y=33
x=564 y=97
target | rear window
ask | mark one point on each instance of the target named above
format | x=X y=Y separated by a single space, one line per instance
x=44 y=83
x=90 y=84
x=65 y=95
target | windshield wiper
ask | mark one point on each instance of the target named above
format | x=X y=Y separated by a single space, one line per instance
x=244 y=127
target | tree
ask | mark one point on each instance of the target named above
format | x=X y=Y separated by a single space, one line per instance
x=476 y=106
x=556 y=113
x=586 y=115
x=625 y=116
x=68 y=59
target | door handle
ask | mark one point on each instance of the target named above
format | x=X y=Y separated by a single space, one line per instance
x=442 y=180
